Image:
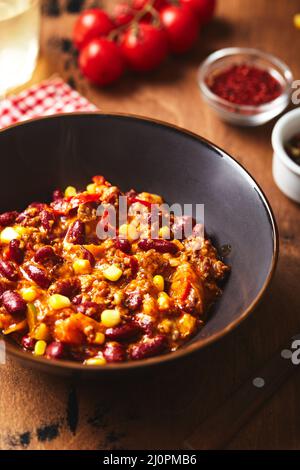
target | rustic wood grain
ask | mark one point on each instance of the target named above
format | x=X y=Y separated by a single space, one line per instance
x=159 y=410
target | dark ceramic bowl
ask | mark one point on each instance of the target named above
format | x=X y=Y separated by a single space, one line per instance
x=43 y=154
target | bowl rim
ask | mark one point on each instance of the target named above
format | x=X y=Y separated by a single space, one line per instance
x=189 y=348
x=281 y=100
x=277 y=141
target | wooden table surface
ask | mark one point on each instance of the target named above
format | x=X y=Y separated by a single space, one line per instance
x=157 y=412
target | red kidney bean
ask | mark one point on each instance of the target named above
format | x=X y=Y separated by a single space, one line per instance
x=131 y=193
x=154 y=217
x=123 y=245
x=149 y=347
x=39 y=206
x=15 y=253
x=67 y=287
x=55 y=350
x=8 y=218
x=112 y=197
x=8 y=270
x=90 y=309
x=28 y=342
x=57 y=194
x=123 y=332
x=134 y=300
x=21 y=217
x=13 y=302
x=134 y=265
x=160 y=245
x=145 y=323
x=47 y=219
x=4 y=286
x=114 y=352
x=46 y=253
x=89 y=256
x=77 y=299
x=76 y=233
x=38 y=275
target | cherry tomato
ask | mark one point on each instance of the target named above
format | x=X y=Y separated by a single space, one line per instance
x=182 y=27
x=204 y=9
x=158 y=4
x=91 y=24
x=101 y=61
x=122 y=14
x=144 y=47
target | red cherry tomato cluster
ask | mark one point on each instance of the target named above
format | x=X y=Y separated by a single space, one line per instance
x=138 y=35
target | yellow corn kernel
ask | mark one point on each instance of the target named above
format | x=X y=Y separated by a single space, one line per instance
x=99 y=338
x=23 y=230
x=31 y=315
x=110 y=318
x=165 y=326
x=70 y=191
x=129 y=231
x=57 y=301
x=297 y=20
x=113 y=273
x=8 y=234
x=123 y=229
x=153 y=198
x=41 y=332
x=164 y=232
x=91 y=188
x=95 y=361
x=29 y=294
x=133 y=233
x=186 y=325
x=82 y=266
x=179 y=244
x=174 y=262
x=40 y=348
x=159 y=282
x=163 y=301
x=149 y=305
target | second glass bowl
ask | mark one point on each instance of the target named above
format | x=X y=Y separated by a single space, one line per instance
x=245 y=115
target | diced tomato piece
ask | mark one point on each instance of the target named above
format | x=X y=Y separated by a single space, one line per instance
x=132 y=200
x=60 y=206
x=83 y=198
x=98 y=179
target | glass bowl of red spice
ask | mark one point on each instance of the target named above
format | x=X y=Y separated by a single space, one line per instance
x=245 y=86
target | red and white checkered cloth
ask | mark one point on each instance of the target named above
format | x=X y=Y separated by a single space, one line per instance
x=51 y=96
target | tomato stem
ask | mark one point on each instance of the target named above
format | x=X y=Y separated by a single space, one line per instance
x=148 y=8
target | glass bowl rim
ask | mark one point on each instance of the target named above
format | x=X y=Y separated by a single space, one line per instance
x=278 y=141
x=285 y=72
x=32 y=4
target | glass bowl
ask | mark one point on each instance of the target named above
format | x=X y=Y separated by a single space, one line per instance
x=245 y=115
